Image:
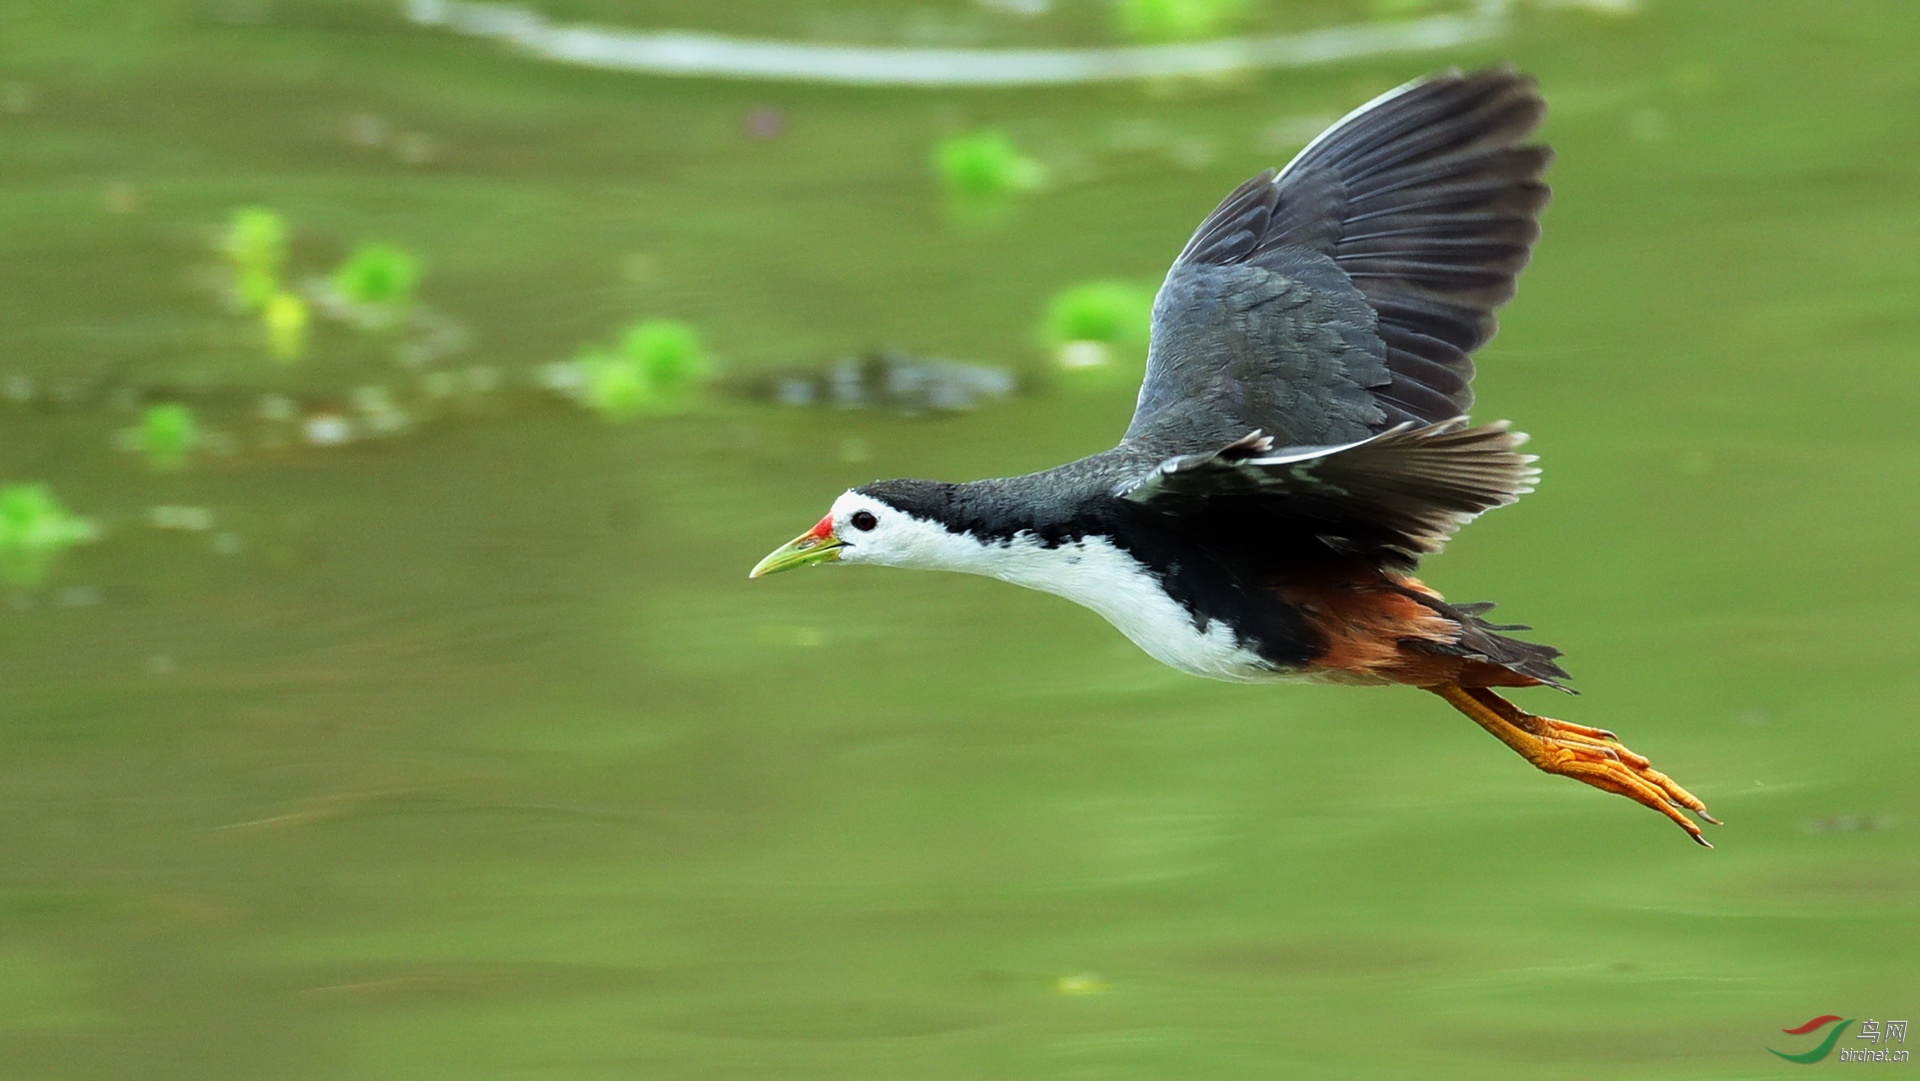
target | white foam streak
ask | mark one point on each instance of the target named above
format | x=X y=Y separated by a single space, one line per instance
x=693 y=55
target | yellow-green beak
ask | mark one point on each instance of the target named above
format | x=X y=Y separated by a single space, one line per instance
x=816 y=545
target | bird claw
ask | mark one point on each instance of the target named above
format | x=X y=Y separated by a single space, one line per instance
x=1592 y=756
x=1611 y=767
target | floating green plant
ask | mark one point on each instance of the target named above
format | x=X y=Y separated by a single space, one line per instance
x=1092 y=326
x=667 y=353
x=985 y=164
x=167 y=434
x=982 y=172
x=256 y=247
x=1118 y=313
x=35 y=528
x=286 y=318
x=1176 y=20
x=378 y=275
x=611 y=386
x=656 y=368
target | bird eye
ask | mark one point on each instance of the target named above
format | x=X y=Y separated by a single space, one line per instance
x=863 y=520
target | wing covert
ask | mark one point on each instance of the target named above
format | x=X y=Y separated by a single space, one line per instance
x=1396 y=496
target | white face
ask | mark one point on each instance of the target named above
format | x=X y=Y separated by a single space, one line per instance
x=891 y=537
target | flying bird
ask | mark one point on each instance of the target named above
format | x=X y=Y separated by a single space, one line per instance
x=1301 y=438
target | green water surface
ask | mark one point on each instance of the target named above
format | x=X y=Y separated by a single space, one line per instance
x=472 y=753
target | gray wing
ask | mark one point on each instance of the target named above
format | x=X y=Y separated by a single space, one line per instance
x=1342 y=296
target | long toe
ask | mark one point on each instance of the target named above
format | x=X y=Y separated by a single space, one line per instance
x=1611 y=774
x=1592 y=756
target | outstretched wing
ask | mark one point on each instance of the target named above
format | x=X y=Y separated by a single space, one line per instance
x=1395 y=496
x=1342 y=296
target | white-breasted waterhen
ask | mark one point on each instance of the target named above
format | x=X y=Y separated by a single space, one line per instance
x=1301 y=438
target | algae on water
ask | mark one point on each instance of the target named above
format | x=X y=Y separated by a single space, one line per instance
x=168 y=432
x=34 y=530
x=378 y=274
x=1092 y=326
x=657 y=367
x=286 y=319
x=256 y=249
x=981 y=173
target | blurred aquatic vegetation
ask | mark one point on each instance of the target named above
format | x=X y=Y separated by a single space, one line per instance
x=611 y=385
x=168 y=432
x=668 y=354
x=1161 y=21
x=982 y=172
x=286 y=319
x=34 y=530
x=985 y=163
x=373 y=411
x=1117 y=313
x=886 y=379
x=656 y=369
x=374 y=290
x=376 y=285
x=255 y=245
x=1092 y=327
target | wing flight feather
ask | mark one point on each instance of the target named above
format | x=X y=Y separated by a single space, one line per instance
x=1343 y=295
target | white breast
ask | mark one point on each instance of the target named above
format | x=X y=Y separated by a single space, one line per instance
x=1095 y=573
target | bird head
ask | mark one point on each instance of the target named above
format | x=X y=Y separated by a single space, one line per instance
x=865 y=527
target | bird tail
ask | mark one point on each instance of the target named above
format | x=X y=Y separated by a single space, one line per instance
x=1381 y=627
x=1492 y=659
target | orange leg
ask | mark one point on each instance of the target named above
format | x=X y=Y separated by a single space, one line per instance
x=1588 y=755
